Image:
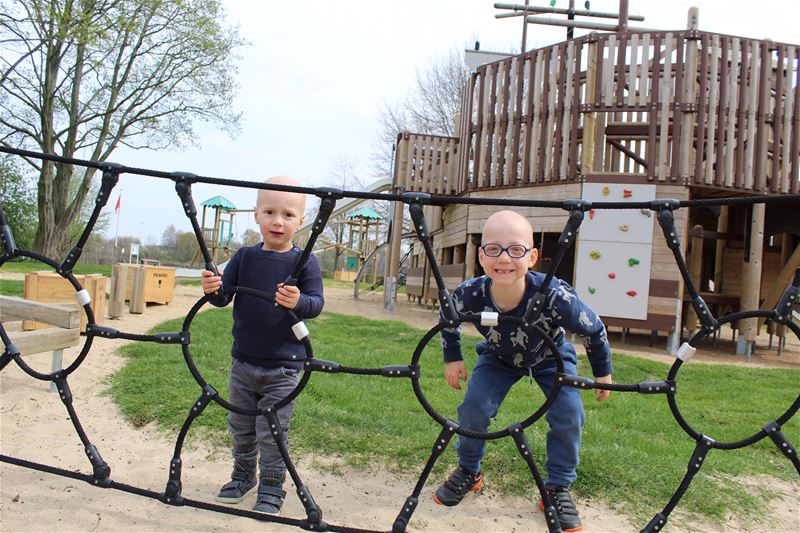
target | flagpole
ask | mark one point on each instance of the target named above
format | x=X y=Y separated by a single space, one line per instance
x=118 y=209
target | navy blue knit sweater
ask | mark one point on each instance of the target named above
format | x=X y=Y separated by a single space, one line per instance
x=261 y=331
x=563 y=310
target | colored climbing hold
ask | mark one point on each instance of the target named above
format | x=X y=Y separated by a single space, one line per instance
x=631 y=293
x=627 y=193
x=605 y=191
x=624 y=227
x=633 y=261
x=594 y=254
x=592 y=290
x=646 y=212
x=612 y=275
x=591 y=214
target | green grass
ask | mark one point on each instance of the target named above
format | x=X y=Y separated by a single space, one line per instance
x=12 y=287
x=634 y=454
x=34 y=266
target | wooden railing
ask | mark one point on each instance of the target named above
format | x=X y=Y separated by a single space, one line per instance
x=687 y=108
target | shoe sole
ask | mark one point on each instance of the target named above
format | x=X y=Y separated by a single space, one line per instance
x=475 y=488
x=570 y=530
x=223 y=499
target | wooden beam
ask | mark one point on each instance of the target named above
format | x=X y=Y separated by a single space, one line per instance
x=44 y=340
x=61 y=315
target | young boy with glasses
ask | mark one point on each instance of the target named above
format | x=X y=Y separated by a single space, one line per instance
x=510 y=353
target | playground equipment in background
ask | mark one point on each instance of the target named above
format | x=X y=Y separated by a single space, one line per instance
x=219 y=237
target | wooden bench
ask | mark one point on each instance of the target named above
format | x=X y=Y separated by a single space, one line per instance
x=64 y=331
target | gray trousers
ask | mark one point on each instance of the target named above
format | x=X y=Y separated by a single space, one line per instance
x=255 y=387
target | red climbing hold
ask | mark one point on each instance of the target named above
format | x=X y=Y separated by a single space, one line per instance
x=631 y=293
x=591 y=214
x=612 y=275
x=627 y=193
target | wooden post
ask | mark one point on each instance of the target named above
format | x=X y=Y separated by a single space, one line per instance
x=471 y=256
x=751 y=282
x=587 y=151
x=688 y=97
x=119 y=284
x=719 y=255
x=695 y=269
x=137 y=294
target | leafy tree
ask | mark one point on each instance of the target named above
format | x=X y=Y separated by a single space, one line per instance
x=19 y=203
x=429 y=108
x=78 y=78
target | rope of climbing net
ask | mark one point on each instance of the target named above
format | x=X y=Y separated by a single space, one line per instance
x=663 y=209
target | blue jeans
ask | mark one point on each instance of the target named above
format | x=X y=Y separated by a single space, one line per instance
x=487 y=388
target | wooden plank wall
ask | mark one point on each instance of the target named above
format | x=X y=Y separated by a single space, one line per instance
x=690 y=107
x=427 y=163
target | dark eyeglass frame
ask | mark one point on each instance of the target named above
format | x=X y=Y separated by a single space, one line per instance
x=506 y=249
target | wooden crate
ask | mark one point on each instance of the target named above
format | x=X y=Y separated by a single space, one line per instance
x=159 y=283
x=49 y=287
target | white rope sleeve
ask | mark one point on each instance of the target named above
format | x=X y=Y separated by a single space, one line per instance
x=83 y=297
x=489 y=318
x=300 y=331
x=685 y=352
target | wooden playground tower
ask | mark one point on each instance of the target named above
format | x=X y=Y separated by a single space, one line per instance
x=362 y=227
x=219 y=236
x=680 y=114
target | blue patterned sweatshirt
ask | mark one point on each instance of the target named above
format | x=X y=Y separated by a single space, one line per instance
x=262 y=333
x=563 y=310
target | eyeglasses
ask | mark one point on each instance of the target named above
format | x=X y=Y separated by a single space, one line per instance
x=515 y=251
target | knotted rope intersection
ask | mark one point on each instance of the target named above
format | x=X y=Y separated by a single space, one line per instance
x=663 y=208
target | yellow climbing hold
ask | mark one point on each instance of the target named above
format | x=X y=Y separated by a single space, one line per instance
x=624 y=227
x=606 y=191
x=594 y=254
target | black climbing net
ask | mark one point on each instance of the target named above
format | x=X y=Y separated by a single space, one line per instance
x=663 y=209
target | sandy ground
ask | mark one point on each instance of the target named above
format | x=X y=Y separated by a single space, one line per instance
x=34 y=425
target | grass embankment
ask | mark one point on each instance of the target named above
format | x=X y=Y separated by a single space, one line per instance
x=634 y=453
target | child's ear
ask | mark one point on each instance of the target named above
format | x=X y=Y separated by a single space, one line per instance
x=533 y=258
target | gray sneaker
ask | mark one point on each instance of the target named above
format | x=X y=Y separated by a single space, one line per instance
x=270 y=497
x=235 y=490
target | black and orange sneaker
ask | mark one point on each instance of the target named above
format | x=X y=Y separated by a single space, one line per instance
x=457 y=485
x=565 y=508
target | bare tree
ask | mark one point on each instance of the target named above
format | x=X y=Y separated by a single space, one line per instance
x=430 y=107
x=82 y=77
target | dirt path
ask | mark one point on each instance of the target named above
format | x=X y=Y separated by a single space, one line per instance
x=34 y=425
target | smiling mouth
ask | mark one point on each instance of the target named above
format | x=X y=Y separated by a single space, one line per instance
x=503 y=271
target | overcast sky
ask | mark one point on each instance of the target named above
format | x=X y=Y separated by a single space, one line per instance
x=315 y=75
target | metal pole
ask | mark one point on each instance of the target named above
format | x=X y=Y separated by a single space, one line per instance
x=524 y=32
x=570 y=16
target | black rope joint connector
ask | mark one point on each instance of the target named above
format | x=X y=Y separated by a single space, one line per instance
x=704 y=314
x=274 y=422
x=418 y=198
x=418 y=218
x=534 y=310
x=101 y=331
x=773 y=431
x=110 y=178
x=181 y=337
x=71 y=259
x=101 y=472
x=329 y=192
x=448 y=307
x=326 y=206
x=570 y=232
x=666 y=220
x=656 y=524
x=699 y=454
x=216 y=298
x=576 y=382
x=790 y=296
x=208 y=394
x=448 y=430
x=313 y=512
x=174 y=485
x=63 y=388
x=400 y=371
x=183 y=186
x=7 y=355
x=290 y=281
x=402 y=520
x=656 y=387
x=321 y=365
x=576 y=204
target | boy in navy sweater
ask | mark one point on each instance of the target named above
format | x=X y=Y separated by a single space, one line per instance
x=510 y=353
x=266 y=355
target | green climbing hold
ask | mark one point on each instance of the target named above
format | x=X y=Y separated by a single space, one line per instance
x=633 y=261
x=592 y=290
